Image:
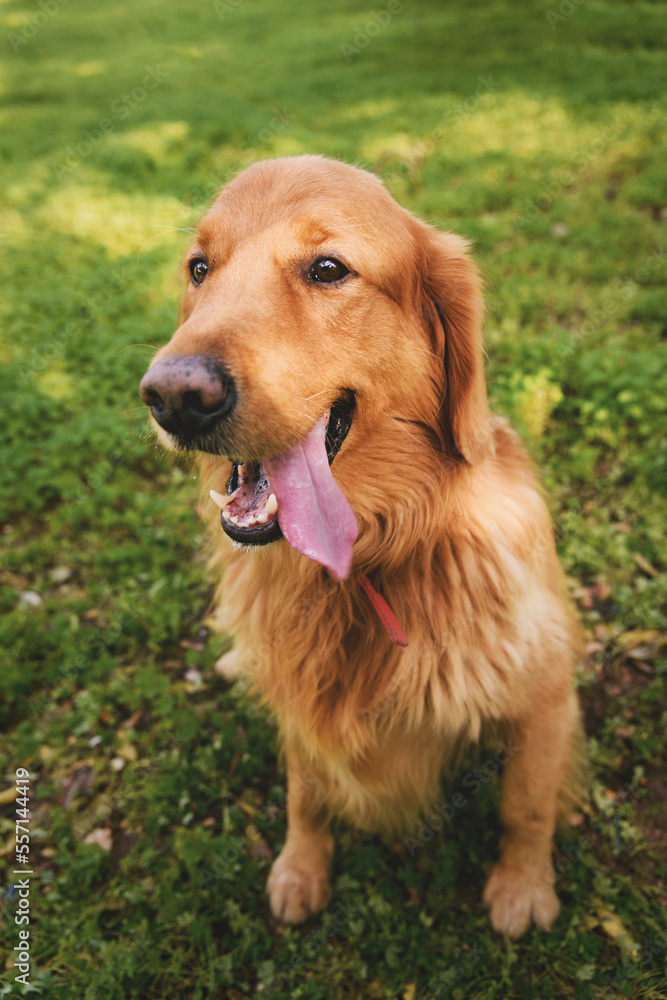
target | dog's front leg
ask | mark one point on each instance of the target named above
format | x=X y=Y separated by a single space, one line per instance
x=520 y=888
x=298 y=885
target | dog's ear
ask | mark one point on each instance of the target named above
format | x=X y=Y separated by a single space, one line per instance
x=452 y=301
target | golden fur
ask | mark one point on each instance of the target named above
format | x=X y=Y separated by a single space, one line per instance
x=453 y=530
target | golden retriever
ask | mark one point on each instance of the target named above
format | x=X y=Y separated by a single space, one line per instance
x=391 y=581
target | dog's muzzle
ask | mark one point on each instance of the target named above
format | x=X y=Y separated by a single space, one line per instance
x=188 y=396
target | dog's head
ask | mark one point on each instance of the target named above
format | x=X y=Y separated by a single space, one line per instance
x=316 y=309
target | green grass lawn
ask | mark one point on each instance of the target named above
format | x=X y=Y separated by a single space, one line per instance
x=537 y=131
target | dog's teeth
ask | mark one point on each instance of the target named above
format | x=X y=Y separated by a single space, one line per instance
x=220 y=499
x=234 y=519
x=262 y=518
x=251 y=520
x=241 y=469
x=271 y=505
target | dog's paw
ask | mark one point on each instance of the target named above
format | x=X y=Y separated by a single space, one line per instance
x=516 y=898
x=229 y=665
x=298 y=887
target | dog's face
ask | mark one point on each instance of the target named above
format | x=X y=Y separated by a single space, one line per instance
x=312 y=294
x=296 y=292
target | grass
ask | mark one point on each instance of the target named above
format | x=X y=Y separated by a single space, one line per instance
x=157 y=800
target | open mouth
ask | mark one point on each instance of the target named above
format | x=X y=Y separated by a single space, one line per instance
x=250 y=508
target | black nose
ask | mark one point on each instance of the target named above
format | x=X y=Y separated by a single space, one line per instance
x=188 y=396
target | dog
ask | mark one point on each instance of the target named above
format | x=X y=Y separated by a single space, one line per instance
x=386 y=558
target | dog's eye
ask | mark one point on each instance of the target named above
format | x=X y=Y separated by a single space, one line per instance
x=198 y=270
x=327 y=269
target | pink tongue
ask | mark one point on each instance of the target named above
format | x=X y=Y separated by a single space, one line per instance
x=313 y=513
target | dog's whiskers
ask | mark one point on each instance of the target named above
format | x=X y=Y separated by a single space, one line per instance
x=431 y=354
x=171 y=229
x=151 y=347
x=297 y=413
x=306 y=398
x=399 y=422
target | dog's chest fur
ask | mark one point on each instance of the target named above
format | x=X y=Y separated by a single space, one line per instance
x=373 y=723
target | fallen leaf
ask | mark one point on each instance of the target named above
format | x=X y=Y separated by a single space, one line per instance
x=585 y=596
x=59 y=574
x=409 y=992
x=614 y=928
x=31 y=598
x=259 y=849
x=100 y=836
x=8 y=795
x=638 y=653
x=589 y=922
x=9 y=847
x=247 y=807
x=131 y=722
x=645 y=565
x=127 y=751
x=637 y=637
x=79 y=782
